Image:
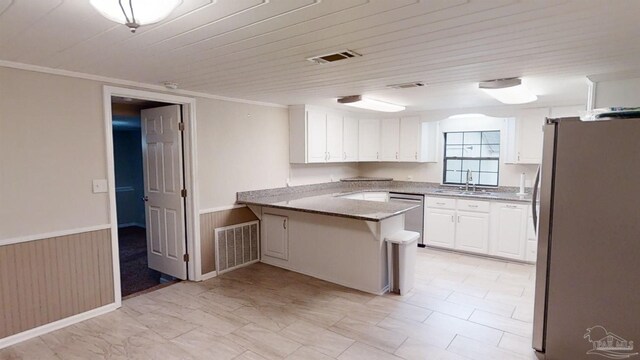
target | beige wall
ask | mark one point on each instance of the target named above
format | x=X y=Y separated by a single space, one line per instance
x=52 y=144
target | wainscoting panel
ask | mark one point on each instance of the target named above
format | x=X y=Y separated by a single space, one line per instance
x=212 y=220
x=42 y=281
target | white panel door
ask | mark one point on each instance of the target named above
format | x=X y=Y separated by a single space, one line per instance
x=509 y=238
x=389 y=139
x=368 y=139
x=472 y=232
x=439 y=227
x=410 y=133
x=275 y=236
x=316 y=136
x=350 y=139
x=164 y=206
x=334 y=138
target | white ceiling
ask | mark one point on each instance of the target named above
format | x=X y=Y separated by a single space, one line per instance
x=256 y=49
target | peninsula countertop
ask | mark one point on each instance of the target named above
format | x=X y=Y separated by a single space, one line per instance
x=325 y=198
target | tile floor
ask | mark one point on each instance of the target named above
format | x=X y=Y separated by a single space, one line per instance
x=462 y=307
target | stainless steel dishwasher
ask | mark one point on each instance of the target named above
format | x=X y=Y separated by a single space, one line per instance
x=414 y=218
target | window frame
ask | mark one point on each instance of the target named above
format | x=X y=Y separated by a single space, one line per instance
x=445 y=158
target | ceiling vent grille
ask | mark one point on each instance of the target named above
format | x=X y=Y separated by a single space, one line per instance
x=333 y=57
x=406 y=85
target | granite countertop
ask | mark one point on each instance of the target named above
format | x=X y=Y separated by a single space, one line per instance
x=325 y=198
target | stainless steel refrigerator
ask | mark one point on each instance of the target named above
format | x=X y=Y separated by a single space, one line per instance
x=587 y=301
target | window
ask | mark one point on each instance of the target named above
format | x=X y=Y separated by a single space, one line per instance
x=478 y=151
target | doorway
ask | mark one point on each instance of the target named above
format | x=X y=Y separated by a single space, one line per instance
x=150 y=157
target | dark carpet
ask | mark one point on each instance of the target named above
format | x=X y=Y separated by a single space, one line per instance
x=135 y=275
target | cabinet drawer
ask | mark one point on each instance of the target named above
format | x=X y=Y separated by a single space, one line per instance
x=441 y=203
x=474 y=205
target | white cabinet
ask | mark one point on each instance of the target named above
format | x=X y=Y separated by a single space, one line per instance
x=389 y=139
x=531 y=252
x=509 y=230
x=334 y=126
x=472 y=232
x=275 y=236
x=316 y=136
x=524 y=136
x=439 y=227
x=409 y=138
x=369 y=139
x=350 y=139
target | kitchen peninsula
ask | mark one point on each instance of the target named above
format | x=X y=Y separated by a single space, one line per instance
x=315 y=230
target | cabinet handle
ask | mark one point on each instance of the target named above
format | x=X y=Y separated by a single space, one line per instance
x=518 y=156
x=452 y=219
x=439 y=203
x=396 y=155
x=344 y=156
x=284 y=224
x=416 y=155
x=512 y=206
x=377 y=155
x=472 y=206
x=328 y=155
x=458 y=219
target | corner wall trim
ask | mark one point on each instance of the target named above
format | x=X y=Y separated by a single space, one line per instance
x=121 y=82
x=41 y=330
x=43 y=236
x=221 y=208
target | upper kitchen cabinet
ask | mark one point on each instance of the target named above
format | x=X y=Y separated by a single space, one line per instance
x=524 y=136
x=369 y=139
x=317 y=135
x=417 y=140
x=389 y=139
x=350 y=139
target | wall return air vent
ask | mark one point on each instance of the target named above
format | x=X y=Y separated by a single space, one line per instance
x=333 y=57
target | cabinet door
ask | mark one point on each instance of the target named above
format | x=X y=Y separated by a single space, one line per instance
x=390 y=139
x=472 y=232
x=334 y=138
x=409 y=138
x=275 y=236
x=368 y=139
x=316 y=136
x=509 y=237
x=439 y=227
x=529 y=135
x=350 y=139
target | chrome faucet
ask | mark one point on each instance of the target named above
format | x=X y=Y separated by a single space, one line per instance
x=469 y=179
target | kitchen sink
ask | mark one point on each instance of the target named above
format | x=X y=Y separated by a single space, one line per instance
x=463 y=192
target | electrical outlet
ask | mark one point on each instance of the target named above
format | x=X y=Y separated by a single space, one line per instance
x=100 y=186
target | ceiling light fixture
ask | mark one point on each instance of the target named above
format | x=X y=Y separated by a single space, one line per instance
x=508 y=91
x=369 y=104
x=135 y=13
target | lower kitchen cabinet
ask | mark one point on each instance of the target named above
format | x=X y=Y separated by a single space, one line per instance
x=275 y=236
x=440 y=227
x=472 y=232
x=509 y=235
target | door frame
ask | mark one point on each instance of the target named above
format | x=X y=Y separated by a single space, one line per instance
x=190 y=175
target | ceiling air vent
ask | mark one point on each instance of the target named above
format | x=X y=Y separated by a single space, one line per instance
x=337 y=56
x=406 y=85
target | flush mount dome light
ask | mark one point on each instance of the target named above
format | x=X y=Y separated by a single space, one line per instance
x=135 y=13
x=370 y=104
x=508 y=91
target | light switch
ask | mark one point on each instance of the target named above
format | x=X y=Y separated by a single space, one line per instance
x=99 y=186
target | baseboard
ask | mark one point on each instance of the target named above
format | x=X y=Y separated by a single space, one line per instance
x=47 y=328
x=209 y=275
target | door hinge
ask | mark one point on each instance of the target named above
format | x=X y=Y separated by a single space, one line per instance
x=186 y=257
x=181 y=126
x=183 y=193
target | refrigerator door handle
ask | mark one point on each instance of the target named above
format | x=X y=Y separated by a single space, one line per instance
x=534 y=202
